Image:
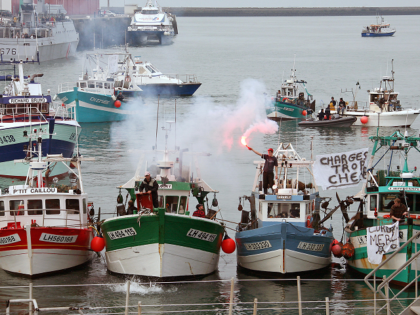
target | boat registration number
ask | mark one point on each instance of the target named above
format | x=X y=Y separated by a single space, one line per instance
x=53 y=238
x=14 y=238
x=257 y=245
x=122 y=233
x=204 y=236
x=310 y=246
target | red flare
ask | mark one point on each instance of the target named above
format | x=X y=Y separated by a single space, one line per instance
x=243 y=141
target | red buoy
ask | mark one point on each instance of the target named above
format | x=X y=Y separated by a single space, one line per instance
x=337 y=250
x=364 y=120
x=348 y=250
x=228 y=245
x=304 y=113
x=117 y=104
x=97 y=244
x=335 y=242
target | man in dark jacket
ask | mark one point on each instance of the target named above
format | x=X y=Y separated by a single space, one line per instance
x=150 y=186
x=199 y=212
x=269 y=165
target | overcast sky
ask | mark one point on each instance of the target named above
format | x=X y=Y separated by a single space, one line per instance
x=269 y=3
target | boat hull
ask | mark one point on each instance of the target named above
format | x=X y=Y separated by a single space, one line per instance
x=285 y=111
x=12 y=141
x=185 y=89
x=95 y=107
x=378 y=34
x=162 y=245
x=142 y=37
x=359 y=262
x=386 y=119
x=286 y=249
x=31 y=251
x=341 y=122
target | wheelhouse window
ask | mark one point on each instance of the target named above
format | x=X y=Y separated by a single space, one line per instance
x=18 y=206
x=72 y=204
x=283 y=210
x=373 y=202
x=91 y=84
x=150 y=69
x=386 y=201
x=34 y=207
x=84 y=206
x=2 y=208
x=83 y=85
x=161 y=201
x=99 y=85
x=172 y=204
x=52 y=206
x=107 y=85
x=183 y=205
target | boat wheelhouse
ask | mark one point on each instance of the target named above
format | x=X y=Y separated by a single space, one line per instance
x=282 y=232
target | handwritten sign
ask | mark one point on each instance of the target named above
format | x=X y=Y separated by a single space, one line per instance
x=381 y=240
x=340 y=170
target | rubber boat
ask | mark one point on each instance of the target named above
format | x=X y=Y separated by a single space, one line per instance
x=334 y=122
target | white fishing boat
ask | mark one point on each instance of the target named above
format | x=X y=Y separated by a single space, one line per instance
x=383 y=108
x=44 y=226
x=25 y=108
x=379 y=29
x=41 y=31
x=153 y=82
x=151 y=23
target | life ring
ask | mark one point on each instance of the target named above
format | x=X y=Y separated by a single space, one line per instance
x=127 y=79
x=285 y=99
x=308 y=221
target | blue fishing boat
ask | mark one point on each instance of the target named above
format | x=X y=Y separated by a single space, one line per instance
x=379 y=29
x=282 y=232
x=101 y=95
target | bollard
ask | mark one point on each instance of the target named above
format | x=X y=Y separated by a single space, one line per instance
x=232 y=284
x=139 y=309
x=299 y=296
x=327 y=306
x=127 y=296
x=255 y=306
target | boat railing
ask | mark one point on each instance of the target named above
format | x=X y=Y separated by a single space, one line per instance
x=17 y=110
x=229 y=304
x=66 y=87
x=65 y=111
x=384 y=287
x=68 y=222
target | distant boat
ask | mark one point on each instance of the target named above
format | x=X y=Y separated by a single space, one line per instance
x=290 y=103
x=334 y=122
x=378 y=29
x=149 y=23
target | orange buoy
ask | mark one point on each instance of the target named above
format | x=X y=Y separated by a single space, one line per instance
x=97 y=244
x=348 y=250
x=364 y=120
x=337 y=250
x=304 y=113
x=228 y=245
x=117 y=104
x=309 y=221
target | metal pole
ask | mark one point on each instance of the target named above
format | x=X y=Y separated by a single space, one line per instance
x=139 y=309
x=374 y=294
x=327 y=306
x=388 y=304
x=255 y=306
x=416 y=271
x=232 y=285
x=299 y=295
x=30 y=297
x=127 y=297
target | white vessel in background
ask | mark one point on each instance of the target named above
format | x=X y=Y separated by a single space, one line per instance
x=383 y=108
x=41 y=29
x=151 y=23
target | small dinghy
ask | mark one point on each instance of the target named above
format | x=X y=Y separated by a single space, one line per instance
x=334 y=122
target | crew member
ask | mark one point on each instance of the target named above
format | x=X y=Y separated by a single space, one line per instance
x=332 y=104
x=321 y=114
x=398 y=211
x=327 y=113
x=200 y=211
x=269 y=165
x=342 y=106
x=131 y=208
x=150 y=186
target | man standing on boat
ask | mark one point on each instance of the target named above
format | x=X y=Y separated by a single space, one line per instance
x=150 y=186
x=398 y=211
x=269 y=165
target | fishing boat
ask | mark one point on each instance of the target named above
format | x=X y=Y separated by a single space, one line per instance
x=102 y=93
x=42 y=31
x=383 y=108
x=283 y=232
x=397 y=179
x=168 y=241
x=44 y=225
x=24 y=108
x=153 y=82
x=379 y=29
x=289 y=102
x=151 y=23
x=334 y=122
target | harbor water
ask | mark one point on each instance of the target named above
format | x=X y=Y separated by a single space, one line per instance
x=237 y=60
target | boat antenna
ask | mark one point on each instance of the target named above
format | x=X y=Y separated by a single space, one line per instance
x=312 y=148
x=157 y=122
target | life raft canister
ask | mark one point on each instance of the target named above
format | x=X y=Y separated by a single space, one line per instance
x=309 y=221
